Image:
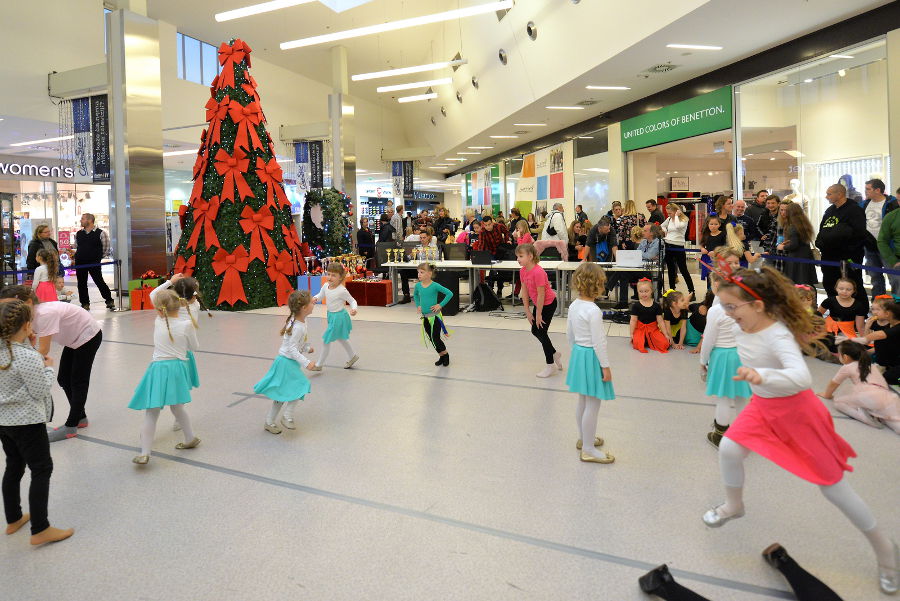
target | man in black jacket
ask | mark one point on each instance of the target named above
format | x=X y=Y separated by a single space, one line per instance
x=842 y=236
x=91 y=247
x=387 y=232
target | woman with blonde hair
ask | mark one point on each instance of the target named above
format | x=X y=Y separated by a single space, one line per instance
x=630 y=219
x=42 y=240
x=675 y=228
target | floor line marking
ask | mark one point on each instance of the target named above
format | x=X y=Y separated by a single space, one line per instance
x=454 y=523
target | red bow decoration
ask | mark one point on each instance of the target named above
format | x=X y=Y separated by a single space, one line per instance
x=250 y=87
x=229 y=56
x=215 y=113
x=182 y=215
x=233 y=168
x=232 y=265
x=199 y=171
x=186 y=266
x=291 y=237
x=247 y=119
x=205 y=213
x=270 y=174
x=724 y=270
x=280 y=266
x=256 y=223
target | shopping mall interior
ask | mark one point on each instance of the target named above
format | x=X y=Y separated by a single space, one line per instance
x=253 y=146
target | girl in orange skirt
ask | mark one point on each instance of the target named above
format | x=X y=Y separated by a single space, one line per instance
x=844 y=313
x=785 y=422
x=646 y=325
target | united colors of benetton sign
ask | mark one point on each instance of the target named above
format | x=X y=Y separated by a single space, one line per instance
x=693 y=117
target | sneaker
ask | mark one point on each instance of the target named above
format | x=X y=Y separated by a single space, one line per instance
x=405 y=300
x=273 y=428
x=62 y=433
x=352 y=360
x=83 y=422
x=110 y=306
x=714 y=438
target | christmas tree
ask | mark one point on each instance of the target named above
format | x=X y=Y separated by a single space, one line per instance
x=327 y=216
x=238 y=238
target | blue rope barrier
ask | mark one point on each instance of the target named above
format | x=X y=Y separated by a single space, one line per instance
x=883 y=270
x=116 y=262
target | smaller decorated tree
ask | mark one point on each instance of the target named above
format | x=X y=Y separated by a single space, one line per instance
x=327 y=216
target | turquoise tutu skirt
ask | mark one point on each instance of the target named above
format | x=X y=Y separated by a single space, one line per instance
x=164 y=383
x=193 y=376
x=585 y=376
x=692 y=336
x=284 y=382
x=339 y=326
x=723 y=366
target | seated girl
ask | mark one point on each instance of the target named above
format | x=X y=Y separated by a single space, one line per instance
x=646 y=323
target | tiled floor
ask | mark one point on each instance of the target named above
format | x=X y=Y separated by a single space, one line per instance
x=407 y=481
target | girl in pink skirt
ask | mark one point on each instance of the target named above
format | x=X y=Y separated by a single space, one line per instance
x=785 y=422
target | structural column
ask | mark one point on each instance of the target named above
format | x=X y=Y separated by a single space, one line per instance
x=341 y=115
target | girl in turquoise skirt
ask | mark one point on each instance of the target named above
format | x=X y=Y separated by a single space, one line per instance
x=589 y=374
x=285 y=382
x=166 y=383
x=339 y=325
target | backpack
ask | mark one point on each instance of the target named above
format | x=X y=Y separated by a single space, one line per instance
x=485 y=299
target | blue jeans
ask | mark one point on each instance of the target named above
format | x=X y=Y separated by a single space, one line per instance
x=873 y=259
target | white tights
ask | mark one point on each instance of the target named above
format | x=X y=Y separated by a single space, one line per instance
x=276 y=407
x=841 y=494
x=727 y=409
x=586 y=419
x=327 y=349
x=148 y=430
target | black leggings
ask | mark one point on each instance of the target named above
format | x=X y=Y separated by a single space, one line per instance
x=75 y=376
x=542 y=333
x=27 y=445
x=433 y=331
x=676 y=258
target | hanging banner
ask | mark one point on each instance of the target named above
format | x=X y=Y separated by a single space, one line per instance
x=81 y=122
x=397 y=179
x=548 y=177
x=408 y=179
x=693 y=117
x=316 y=164
x=483 y=189
x=100 y=137
x=301 y=159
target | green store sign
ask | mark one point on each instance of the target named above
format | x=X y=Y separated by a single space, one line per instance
x=693 y=117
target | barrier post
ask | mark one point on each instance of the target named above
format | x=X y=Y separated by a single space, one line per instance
x=119 y=281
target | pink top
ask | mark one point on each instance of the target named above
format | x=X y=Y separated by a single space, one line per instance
x=69 y=325
x=525 y=239
x=851 y=371
x=534 y=279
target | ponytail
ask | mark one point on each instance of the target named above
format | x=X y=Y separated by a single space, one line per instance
x=860 y=354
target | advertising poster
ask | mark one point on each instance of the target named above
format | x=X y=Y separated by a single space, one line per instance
x=483 y=189
x=547 y=177
x=316 y=164
x=100 y=137
x=81 y=124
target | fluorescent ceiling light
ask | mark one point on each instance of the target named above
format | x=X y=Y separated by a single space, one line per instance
x=401 y=24
x=33 y=142
x=794 y=153
x=408 y=70
x=531 y=124
x=840 y=56
x=607 y=87
x=418 y=84
x=439 y=166
x=456 y=159
x=585 y=137
x=480 y=147
x=173 y=153
x=693 y=47
x=597 y=169
x=468 y=153
x=417 y=98
x=255 y=9
x=807 y=80
x=503 y=137
x=565 y=108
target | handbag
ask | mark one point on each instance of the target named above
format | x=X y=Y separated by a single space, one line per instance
x=550 y=229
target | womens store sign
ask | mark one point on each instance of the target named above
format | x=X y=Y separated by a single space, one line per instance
x=693 y=117
x=548 y=177
x=17 y=168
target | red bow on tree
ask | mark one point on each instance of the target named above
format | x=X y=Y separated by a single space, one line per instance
x=232 y=265
x=215 y=113
x=182 y=215
x=258 y=224
x=233 y=168
x=247 y=119
x=280 y=267
x=205 y=213
x=199 y=171
x=291 y=237
x=186 y=266
x=229 y=56
x=250 y=87
x=270 y=174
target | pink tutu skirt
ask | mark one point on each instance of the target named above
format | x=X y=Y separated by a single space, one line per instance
x=46 y=292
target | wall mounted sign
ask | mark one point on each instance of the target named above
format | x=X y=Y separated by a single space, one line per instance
x=17 y=168
x=686 y=119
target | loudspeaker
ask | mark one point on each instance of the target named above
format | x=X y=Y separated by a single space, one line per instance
x=450 y=281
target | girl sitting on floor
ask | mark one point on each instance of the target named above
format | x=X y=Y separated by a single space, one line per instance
x=696 y=323
x=646 y=323
x=675 y=316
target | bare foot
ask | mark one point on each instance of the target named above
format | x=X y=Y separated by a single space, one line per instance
x=14 y=527
x=51 y=535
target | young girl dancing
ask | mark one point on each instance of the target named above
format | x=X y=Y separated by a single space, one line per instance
x=425 y=296
x=44 y=282
x=188 y=290
x=166 y=382
x=285 y=382
x=871 y=401
x=675 y=317
x=25 y=408
x=844 y=313
x=785 y=421
x=536 y=290
x=339 y=324
x=646 y=325
x=589 y=374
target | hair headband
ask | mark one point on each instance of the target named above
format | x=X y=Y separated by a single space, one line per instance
x=725 y=272
x=668 y=292
x=644 y=280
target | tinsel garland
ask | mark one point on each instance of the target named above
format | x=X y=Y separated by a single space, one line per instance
x=334 y=237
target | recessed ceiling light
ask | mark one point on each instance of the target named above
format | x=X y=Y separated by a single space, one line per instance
x=408 y=70
x=418 y=84
x=468 y=153
x=503 y=137
x=173 y=153
x=598 y=169
x=255 y=9
x=455 y=159
x=607 y=87
x=565 y=108
x=480 y=147
x=531 y=124
x=33 y=142
x=401 y=24
x=417 y=97
x=693 y=47
x=807 y=80
x=840 y=56
x=772 y=159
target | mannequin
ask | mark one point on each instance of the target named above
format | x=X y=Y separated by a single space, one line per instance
x=852 y=193
x=797 y=196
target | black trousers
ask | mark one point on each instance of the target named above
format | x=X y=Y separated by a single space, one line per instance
x=830 y=276
x=96 y=273
x=542 y=333
x=405 y=275
x=433 y=331
x=75 y=376
x=676 y=259
x=892 y=374
x=27 y=445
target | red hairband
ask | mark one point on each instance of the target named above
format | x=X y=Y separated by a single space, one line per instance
x=725 y=272
x=644 y=280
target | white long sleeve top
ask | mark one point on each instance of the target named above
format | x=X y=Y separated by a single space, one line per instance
x=40 y=275
x=335 y=298
x=184 y=313
x=184 y=339
x=294 y=342
x=719 y=332
x=776 y=356
x=675 y=230
x=584 y=327
x=25 y=387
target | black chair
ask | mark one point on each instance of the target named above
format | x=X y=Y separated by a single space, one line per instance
x=551 y=253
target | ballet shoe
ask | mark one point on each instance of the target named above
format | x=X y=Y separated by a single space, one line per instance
x=351 y=361
x=557 y=358
x=775 y=555
x=141 y=459
x=712 y=518
x=598 y=442
x=188 y=445
x=273 y=428
x=14 y=527
x=888 y=576
x=51 y=535
x=288 y=422
x=591 y=459
x=655 y=578
x=547 y=371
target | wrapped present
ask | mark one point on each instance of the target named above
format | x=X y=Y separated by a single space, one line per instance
x=143 y=283
x=378 y=293
x=313 y=283
x=357 y=289
x=140 y=299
